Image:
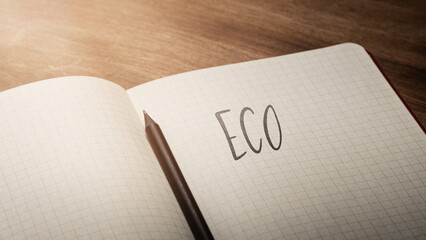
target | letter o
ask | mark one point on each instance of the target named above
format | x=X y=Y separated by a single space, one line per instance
x=265 y=127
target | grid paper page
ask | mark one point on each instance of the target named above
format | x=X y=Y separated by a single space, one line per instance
x=75 y=164
x=352 y=160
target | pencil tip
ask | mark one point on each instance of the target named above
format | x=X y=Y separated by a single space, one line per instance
x=148 y=119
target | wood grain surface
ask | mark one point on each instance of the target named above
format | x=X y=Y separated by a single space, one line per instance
x=132 y=42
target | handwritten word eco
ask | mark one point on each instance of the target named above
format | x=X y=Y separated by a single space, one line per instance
x=243 y=129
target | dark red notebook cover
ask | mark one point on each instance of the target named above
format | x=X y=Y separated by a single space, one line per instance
x=394 y=89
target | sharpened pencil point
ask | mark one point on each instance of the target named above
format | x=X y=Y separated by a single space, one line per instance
x=148 y=119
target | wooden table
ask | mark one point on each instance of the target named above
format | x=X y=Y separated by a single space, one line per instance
x=131 y=42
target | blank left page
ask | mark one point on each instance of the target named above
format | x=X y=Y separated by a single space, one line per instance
x=75 y=164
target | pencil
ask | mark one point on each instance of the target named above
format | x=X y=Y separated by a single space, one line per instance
x=174 y=176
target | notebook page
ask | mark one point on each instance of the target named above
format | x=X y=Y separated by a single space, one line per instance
x=75 y=164
x=352 y=159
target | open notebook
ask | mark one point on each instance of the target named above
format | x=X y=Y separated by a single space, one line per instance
x=325 y=149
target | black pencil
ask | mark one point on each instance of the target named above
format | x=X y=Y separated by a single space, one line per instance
x=174 y=176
